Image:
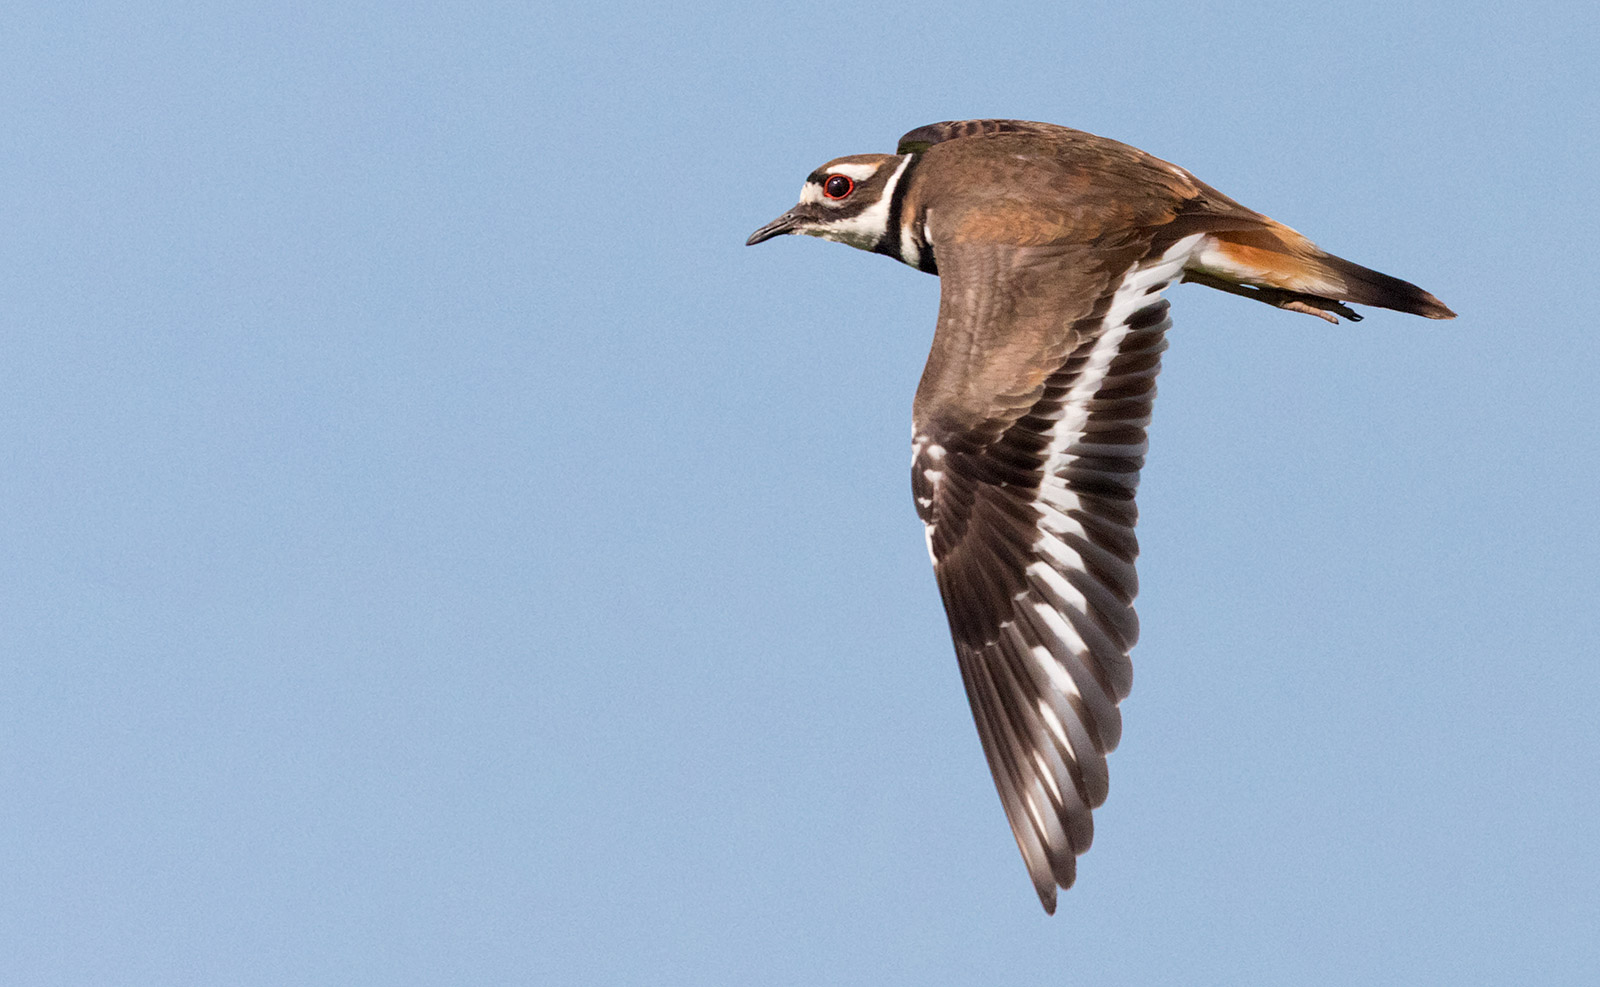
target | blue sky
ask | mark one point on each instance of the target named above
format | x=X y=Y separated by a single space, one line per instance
x=438 y=551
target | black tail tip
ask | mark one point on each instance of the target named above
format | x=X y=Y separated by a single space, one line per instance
x=1412 y=301
x=1433 y=308
x=1364 y=286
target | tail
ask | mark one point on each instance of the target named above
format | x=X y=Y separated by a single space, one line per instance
x=1274 y=264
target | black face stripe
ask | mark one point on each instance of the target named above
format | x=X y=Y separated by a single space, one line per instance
x=891 y=243
x=825 y=210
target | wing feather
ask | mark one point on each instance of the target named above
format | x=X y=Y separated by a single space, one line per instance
x=1026 y=483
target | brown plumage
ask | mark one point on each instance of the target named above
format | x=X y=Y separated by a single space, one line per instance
x=1052 y=247
x=1092 y=186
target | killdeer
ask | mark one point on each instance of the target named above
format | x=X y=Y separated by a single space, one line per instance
x=1052 y=247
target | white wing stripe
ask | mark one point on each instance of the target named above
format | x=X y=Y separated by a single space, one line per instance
x=1054 y=520
x=1057 y=551
x=1137 y=287
x=1053 y=721
x=1044 y=573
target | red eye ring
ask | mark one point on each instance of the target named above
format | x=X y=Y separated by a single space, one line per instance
x=838 y=186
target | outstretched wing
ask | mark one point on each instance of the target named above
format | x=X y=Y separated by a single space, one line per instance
x=1029 y=437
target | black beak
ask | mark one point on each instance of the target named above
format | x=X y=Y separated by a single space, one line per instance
x=778 y=227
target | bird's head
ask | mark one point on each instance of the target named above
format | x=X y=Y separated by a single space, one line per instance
x=846 y=200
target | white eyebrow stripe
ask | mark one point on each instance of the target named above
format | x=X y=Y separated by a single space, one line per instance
x=859 y=172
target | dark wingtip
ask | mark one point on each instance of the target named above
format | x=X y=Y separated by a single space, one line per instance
x=1048 y=900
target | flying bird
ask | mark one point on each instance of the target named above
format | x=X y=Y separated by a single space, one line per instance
x=1052 y=248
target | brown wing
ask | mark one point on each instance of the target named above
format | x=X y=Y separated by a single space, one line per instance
x=1246 y=253
x=1029 y=437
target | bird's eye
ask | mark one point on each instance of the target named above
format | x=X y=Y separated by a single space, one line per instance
x=838 y=186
